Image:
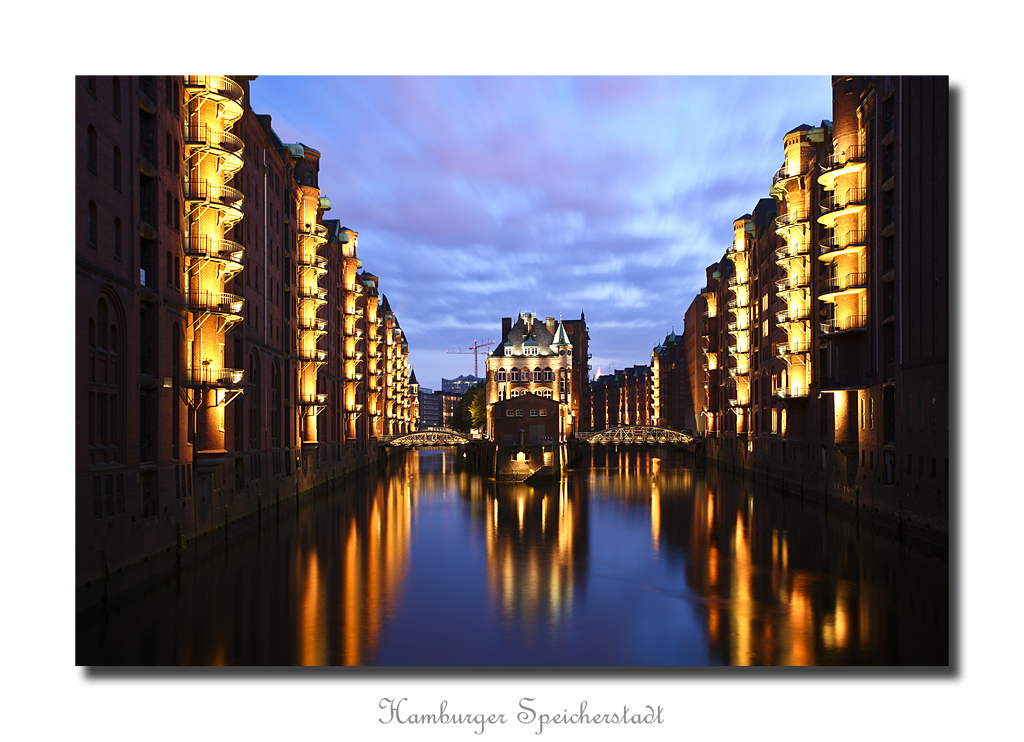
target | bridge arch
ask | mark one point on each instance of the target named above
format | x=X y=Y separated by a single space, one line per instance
x=430 y=437
x=637 y=434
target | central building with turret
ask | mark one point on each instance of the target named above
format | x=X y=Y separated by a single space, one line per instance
x=530 y=382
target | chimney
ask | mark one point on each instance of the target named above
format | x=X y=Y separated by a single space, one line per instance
x=506 y=327
x=550 y=322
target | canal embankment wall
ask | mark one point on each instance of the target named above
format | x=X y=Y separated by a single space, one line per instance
x=204 y=511
x=833 y=481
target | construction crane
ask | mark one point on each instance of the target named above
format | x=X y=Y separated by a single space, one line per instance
x=474 y=348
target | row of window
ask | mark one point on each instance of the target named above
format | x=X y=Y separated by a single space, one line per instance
x=524 y=374
x=519 y=413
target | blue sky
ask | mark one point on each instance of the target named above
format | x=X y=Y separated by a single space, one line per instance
x=481 y=197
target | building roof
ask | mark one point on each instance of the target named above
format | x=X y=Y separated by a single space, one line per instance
x=530 y=331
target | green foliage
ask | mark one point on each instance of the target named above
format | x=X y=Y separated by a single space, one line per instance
x=471 y=411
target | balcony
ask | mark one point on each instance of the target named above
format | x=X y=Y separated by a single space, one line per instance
x=735 y=371
x=312 y=324
x=312 y=292
x=797 y=219
x=314 y=355
x=736 y=326
x=797 y=282
x=220 y=89
x=734 y=249
x=735 y=349
x=845 y=244
x=736 y=281
x=312 y=400
x=851 y=201
x=210 y=377
x=315 y=232
x=202 y=193
x=739 y=402
x=793 y=250
x=851 y=283
x=223 y=251
x=849 y=160
x=215 y=302
x=786 y=316
x=782 y=178
x=316 y=263
x=852 y=323
x=789 y=392
x=737 y=302
x=799 y=347
x=221 y=144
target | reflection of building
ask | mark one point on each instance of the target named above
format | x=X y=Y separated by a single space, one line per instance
x=460 y=385
x=536 y=550
x=537 y=358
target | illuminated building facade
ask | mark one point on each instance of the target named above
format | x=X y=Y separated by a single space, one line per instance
x=623 y=397
x=829 y=366
x=537 y=358
x=222 y=328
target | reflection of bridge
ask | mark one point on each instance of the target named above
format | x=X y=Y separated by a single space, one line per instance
x=430 y=437
x=636 y=434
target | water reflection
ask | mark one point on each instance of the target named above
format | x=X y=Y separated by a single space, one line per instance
x=636 y=558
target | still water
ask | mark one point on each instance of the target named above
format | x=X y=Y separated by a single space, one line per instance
x=635 y=559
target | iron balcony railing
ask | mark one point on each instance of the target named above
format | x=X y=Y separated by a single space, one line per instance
x=792 y=348
x=738 y=371
x=217 y=85
x=738 y=303
x=786 y=173
x=788 y=392
x=317 y=262
x=202 y=135
x=312 y=291
x=735 y=326
x=799 y=281
x=313 y=400
x=843 y=324
x=792 y=315
x=736 y=350
x=734 y=248
x=792 y=250
x=213 y=248
x=312 y=354
x=852 y=239
x=312 y=323
x=840 y=201
x=215 y=377
x=736 y=281
x=791 y=219
x=853 y=153
x=216 y=302
x=318 y=231
x=202 y=191
x=844 y=282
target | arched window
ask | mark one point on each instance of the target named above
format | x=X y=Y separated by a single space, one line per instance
x=116 y=99
x=537 y=373
x=513 y=375
x=547 y=374
x=91 y=148
x=117 y=168
x=106 y=384
x=92 y=227
x=501 y=374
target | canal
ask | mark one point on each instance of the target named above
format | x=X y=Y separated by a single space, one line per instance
x=635 y=558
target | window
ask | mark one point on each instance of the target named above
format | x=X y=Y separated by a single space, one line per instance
x=547 y=393
x=547 y=374
x=91 y=226
x=533 y=413
x=519 y=413
x=544 y=413
x=91 y=148
x=510 y=413
x=501 y=374
x=514 y=374
x=537 y=375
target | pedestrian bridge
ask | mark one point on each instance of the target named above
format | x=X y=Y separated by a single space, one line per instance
x=430 y=437
x=636 y=434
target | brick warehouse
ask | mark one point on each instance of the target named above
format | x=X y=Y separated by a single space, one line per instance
x=824 y=328
x=227 y=341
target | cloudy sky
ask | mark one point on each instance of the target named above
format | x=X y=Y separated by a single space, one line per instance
x=477 y=198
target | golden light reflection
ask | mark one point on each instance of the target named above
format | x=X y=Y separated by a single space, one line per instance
x=310 y=636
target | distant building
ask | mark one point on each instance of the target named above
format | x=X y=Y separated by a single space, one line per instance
x=460 y=385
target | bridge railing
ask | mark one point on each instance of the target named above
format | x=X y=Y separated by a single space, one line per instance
x=637 y=434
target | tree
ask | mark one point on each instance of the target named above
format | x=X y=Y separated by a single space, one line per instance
x=471 y=411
